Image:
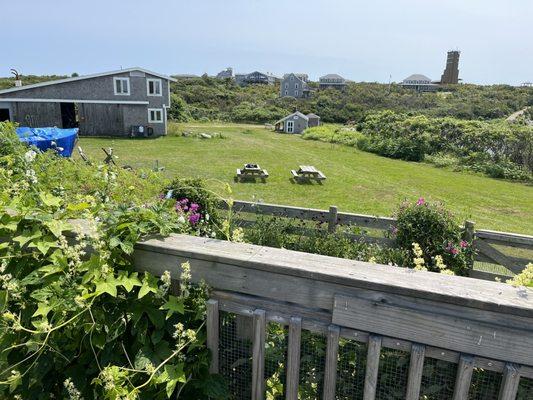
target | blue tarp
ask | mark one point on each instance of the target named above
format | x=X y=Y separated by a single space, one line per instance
x=62 y=140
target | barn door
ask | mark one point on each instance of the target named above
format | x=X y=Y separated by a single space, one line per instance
x=101 y=120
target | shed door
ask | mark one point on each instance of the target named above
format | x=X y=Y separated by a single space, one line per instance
x=290 y=126
x=101 y=120
x=4 y=114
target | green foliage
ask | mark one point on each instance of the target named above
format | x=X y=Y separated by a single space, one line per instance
x=333 y=134
x=288 y=234
x=77 y=320
x=8 y=83
x=217 y=99
x=435 y=231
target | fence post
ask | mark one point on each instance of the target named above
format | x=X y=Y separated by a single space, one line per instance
x=469 y=231
x=213 y=333
x=332 y=219
x=332 y=354
x=258 y=355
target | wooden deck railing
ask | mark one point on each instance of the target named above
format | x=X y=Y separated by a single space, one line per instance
x=495 y=248
x=350 y=329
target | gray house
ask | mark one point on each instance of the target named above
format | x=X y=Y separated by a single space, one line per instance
x=255 y=78
x=332 y=81
x=294 y=85
x=116 y=103
x=420 y=83
x=297 y=122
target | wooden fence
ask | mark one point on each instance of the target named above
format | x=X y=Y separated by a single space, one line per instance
x=509 y=252
x=305 y=326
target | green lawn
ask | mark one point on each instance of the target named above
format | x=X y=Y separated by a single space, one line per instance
x=357 y=181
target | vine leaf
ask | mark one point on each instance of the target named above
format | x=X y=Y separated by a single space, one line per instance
x=149 y=284
x=108 y=286
x=175 y=374
x=128 y=282
x=50 y=200
x=173 y=305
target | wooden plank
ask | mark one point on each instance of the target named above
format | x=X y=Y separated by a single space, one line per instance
x=464 y=377
x=367 y=221
x=332 y=221
x=332 y=353
x=469 y=231
x=510 y=382
x=293 y=358
x=416 y=366
x=372 y=367
x=213 y=333
x=293 y=276
x=505 y=237
x=487 y=276
x=497 y=256
x=284 y=211
x=258 y=356
x=451 y=332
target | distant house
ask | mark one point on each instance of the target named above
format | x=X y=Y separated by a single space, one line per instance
x=294 y=85
x=255 y=78
x=113 y=103
x=332 y=81
x=297 y=122
x=420 y=83
x=225 y=74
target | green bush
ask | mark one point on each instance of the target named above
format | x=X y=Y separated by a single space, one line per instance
x=77 y=320
x=435 y=231
x=333 y=134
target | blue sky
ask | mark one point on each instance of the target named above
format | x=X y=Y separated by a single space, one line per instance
x=361 y=40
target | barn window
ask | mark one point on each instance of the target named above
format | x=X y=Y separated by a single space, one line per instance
x=154 y=87
x=122 y=86
x=155 y=115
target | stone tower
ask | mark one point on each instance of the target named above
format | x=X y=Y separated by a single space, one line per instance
x=451 y=72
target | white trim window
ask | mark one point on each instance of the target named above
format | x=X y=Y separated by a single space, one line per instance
x=121 y=86
x=296 y=94
x=296 y=86
x=154 y=87
x=290 y=126
x=155 y=115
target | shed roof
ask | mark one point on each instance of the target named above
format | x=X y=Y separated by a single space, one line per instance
x=298 y=113
x=80 y=78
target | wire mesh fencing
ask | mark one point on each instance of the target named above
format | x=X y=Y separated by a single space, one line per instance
x=485 y=385
x=525 y=389
x=276 y=343
x=392 y=374
x=438 y=379
x=235 y=354
x=351 y=370
x=312 y=366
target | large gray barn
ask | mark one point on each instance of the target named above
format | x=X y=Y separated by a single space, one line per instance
x=113 y=103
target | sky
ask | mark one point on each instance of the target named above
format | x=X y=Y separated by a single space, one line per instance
x=369 y=40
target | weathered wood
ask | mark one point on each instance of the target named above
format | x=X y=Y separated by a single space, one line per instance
x=416 y=366
x=367 y=221
x=464 y=376
x=332 y=353
x=497 y=256
x=213 y=333
x=293 y=358
x=258 y=356
x=469 y=231
x=293 y=276
x=451 y=332
x=372 y=367
x=510 y=382
x=488 y=276
x=332 y=221
x=505 y=237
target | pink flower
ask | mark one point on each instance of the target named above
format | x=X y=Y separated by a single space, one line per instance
x=194 y=207
x=464 y=244
x=421 y=201
x=454 y=251
x=194 y=218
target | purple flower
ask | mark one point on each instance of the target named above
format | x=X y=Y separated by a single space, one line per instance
x=421 y=201
x=194 y=218
x=184 y=201
x=454 y=251
x=194 y=207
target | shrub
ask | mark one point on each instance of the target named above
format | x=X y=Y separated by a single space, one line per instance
x=333 y=134
x=430 y=232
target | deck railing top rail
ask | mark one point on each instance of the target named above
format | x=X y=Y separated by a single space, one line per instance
x=492 y=296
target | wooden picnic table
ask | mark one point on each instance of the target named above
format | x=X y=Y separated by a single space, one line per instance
x=308 y=172
x=251 y=171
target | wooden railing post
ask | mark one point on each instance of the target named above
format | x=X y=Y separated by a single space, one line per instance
x=332 y=353
x=510 y=382
x=332 y=219
x=416 y=367
x=469 y=231
x=372 y=367
x=213 y=333
x=258 y=355
x=464 y=376
x=293 y=358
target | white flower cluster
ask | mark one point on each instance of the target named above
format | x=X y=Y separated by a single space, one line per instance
x=419 y=258
x=73 y=393
x=166 y=281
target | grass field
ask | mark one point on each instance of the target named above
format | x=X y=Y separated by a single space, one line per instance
x=357 y=181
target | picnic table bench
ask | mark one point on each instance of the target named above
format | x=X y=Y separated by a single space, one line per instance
x=307 y=172
x=251 y=171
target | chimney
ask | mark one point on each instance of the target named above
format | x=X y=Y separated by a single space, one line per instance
x=18 y=83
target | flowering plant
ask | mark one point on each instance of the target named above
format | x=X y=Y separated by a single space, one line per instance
x=432 y=235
